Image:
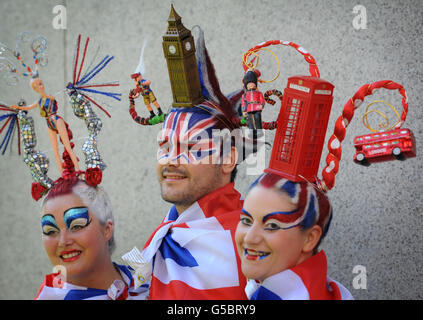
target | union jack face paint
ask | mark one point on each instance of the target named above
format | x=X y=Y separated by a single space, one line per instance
x=187 y=137
x=312 y=208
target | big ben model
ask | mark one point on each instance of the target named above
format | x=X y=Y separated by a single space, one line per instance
x=179 y=51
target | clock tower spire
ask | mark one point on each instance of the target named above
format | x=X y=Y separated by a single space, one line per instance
x=179 y=51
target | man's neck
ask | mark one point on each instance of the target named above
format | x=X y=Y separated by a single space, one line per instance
x=182 y=208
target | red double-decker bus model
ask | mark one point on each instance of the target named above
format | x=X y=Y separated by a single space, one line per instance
x=384 y=146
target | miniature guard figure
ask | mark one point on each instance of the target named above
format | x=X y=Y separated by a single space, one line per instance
x=143 y=88
x=252 y=101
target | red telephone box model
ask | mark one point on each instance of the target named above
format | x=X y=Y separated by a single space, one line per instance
x=301 y=128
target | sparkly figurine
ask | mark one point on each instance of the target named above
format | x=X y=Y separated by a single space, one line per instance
x=79 y=91
x=55 y=124
x=46 y=103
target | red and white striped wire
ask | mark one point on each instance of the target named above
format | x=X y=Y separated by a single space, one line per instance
x=334 y=143
x=314 y=70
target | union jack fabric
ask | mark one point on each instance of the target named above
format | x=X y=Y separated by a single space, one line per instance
x=306 y=281
x=194 y=253
x=186 y=135
x=51 y=289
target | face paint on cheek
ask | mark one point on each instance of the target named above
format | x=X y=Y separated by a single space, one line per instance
x=49 y=225
x=76 y=218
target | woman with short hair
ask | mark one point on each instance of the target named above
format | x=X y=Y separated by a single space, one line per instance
x=78 y=236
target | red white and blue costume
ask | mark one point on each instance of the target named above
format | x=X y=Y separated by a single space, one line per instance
x=306 y=281
x=194 y=253
x=48 y=110
x=55 y=290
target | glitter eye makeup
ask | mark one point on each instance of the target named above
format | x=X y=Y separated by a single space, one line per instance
x=48 y=225
x=76 y=218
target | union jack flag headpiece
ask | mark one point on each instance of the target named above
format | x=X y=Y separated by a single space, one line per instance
x=187 y=134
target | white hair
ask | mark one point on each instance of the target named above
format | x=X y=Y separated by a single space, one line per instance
x=98 y=202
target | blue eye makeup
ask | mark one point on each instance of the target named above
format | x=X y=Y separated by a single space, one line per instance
x=246 y=218
x=48 y=224
x=246 y=212
x=76 y=218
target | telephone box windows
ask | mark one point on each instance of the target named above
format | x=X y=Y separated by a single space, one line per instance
x=290 y=122
x=301 y=128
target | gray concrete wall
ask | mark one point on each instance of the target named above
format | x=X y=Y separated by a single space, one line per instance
x=377 y=210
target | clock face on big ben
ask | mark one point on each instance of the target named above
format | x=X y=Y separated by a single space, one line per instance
x=188 y=45
x=172 y=49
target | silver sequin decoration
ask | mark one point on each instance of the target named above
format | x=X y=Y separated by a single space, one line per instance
x=36 y=161
x=82 y=109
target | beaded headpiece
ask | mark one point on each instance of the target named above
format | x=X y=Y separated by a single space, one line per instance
x=38 y=46
x=79 y=91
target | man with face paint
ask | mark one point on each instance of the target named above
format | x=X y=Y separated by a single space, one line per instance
x=192 y=252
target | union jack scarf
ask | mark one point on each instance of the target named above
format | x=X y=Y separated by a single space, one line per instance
x=306 y=281
x=194 y=254
x=51 y=289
